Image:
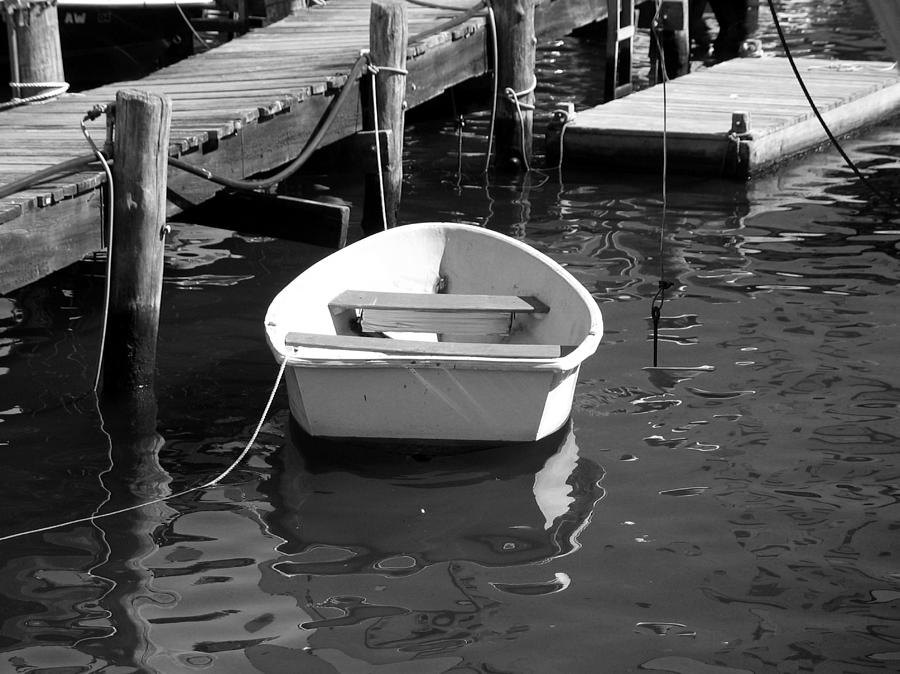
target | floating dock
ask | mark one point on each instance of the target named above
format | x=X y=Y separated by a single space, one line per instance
x=733 y=119
x=239 y=110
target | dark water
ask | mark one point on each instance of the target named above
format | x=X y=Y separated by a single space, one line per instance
x=735 y=510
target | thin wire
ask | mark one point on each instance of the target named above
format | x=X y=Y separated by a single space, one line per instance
x=665 y=139
x=660 y=297
x=206 y=485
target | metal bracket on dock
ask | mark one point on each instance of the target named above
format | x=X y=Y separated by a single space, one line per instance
x=740 y=123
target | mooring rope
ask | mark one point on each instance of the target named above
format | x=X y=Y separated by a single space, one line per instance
x=95 y=112
x=515 y=98
x=384 y=221
x=565 y=116
x=375 y=70
x=495 y=58
x=206 y=485
x=56 y=89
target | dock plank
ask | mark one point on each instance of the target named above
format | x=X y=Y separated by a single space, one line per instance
x=245 y=107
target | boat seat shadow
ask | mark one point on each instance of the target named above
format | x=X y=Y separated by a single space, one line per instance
x=456 y=314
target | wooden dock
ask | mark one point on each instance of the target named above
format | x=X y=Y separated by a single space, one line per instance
x=734 y=119
x=244 y=108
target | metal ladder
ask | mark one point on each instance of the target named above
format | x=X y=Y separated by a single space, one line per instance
x=619 y=48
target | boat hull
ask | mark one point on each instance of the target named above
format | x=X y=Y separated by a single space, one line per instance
x=431 y=401
x=345 y=387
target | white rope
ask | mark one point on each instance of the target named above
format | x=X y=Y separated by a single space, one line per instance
x=34 y=85
x=190 y=27
x=564 y=118
x=59 y=89
x=515 y=96
x=388 y=69
x=211 y=483
x=384 y=222
x=109 y=242
x=376 y=70
x=495 y=58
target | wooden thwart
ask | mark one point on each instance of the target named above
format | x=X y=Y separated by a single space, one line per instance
x=419 y=348
x=436 y=312
x=367 y=299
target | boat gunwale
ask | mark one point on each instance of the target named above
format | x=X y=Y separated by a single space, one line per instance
x=310 y=357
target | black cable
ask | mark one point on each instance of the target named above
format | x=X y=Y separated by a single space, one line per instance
x=815 y=109
x=68 y=166
x=656 y=314
x=311 y=145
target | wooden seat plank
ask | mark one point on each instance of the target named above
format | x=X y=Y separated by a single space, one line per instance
x=365 y=299
x=419 y=348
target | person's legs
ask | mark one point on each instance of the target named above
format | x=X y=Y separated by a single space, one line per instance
x=701 y=40
x=731 y=16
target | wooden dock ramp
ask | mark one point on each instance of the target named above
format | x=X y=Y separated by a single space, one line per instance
x=240 y=110
x=734 y=119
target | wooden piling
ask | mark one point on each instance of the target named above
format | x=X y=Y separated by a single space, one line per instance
x=139 y=210
x=516 y=44
x=35 y=54
x=388 y=37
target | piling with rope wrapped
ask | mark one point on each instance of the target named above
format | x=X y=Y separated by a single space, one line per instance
x=516 y=45
x=388 y=38
x=35 y=53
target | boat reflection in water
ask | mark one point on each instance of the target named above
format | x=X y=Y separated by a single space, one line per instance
x=403 y=554
x=399 y=513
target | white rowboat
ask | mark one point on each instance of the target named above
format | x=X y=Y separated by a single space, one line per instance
x=433 y=332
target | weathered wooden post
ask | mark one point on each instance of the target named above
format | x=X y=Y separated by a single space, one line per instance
x=388 y=36
x=516 y=44
x=139 y=175
x=35 y=55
